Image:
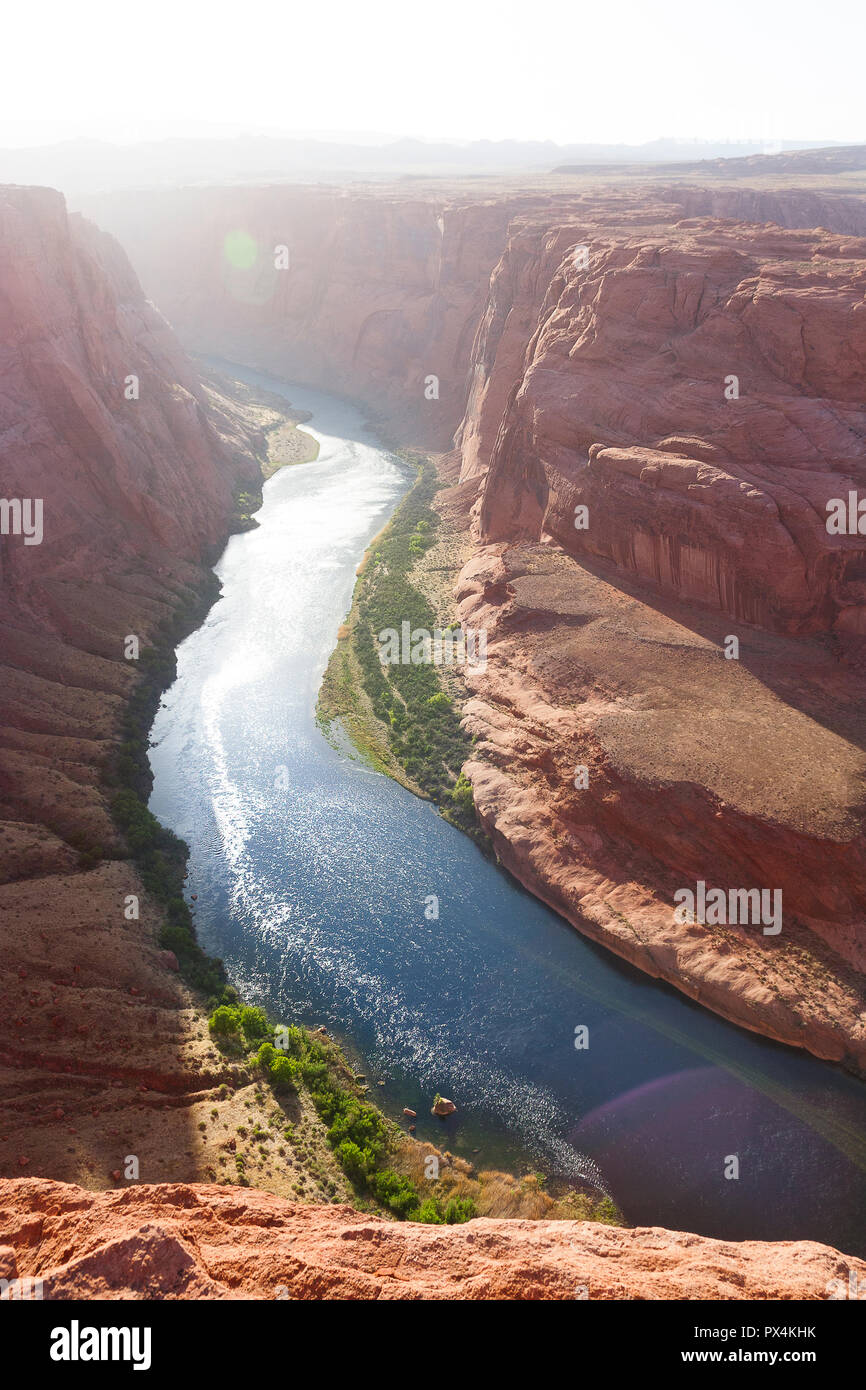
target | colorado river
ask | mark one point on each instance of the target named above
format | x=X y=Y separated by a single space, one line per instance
x=312 y=873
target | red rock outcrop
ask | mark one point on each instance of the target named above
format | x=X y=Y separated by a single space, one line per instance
x=126 y=468
x=798 y=206
x=584 y=671
x=211 y=1242
x=135 y=492
x=603 y=385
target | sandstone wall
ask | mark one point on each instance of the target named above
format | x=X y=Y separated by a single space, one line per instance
x=701 y=392
x=380 y=293
x=100 y=1051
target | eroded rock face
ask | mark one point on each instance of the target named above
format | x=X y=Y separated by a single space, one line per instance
x=602 y=385
x=374 y=295
x=97 y=1035
x=120 y=477
x=376 y=292
x=701 y=394
x=176 y=1241
x=787 y=207
x=135 y=481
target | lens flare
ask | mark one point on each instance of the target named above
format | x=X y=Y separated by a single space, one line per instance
x=241 y=250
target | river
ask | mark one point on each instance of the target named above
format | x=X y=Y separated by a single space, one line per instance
x=312 y=872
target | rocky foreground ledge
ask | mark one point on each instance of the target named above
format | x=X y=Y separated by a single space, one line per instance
x=181 y=1240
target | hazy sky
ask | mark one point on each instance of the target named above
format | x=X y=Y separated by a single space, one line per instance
x=465 y=69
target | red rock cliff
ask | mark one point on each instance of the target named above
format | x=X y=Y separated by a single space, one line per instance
x=119 y=476
x=135 y=493
x=376 y=293
x=701 y=393
x=698 y=389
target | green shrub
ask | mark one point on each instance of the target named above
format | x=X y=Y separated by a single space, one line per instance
x=394 y=1192
x=254 y=1022
x=462 y=793
x=458 y=1210
x=177 y=939
x=362 y=1124
x=355 y=1162
x=429 y=1213
x=607 y=1212
x=284 y=1073
x=224 y=1021
x=292 y=1041
x=316 y=1075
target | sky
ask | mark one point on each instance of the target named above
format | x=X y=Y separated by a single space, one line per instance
x=739 y=70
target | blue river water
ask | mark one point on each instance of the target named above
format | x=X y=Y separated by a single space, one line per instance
x=312 y=872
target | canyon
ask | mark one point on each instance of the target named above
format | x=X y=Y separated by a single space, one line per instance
x=685 y=361
x=563 y=380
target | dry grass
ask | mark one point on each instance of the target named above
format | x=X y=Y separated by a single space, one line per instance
x=495 y=1193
